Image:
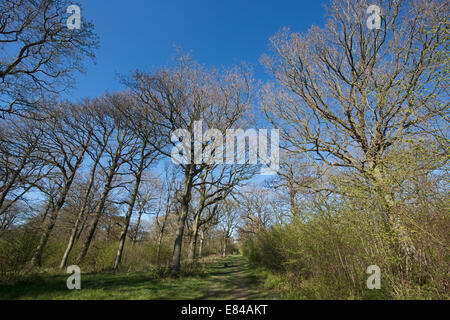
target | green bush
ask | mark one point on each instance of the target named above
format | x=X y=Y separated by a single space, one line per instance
x=325 y=256
x=16 y=251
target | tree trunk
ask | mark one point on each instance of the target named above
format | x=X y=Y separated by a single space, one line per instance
x=71 y=242
x=81 y=213
x=158 y=253
x=108 y=230
x=48 y=227
x=83 y=224
x=99 y=210
x=292 y=194
x=123 y=235
x=224 y=253
x=193 y=244
x=138 y=223
x=176 y=257
x=202 y=242
x=201 y=206
x=160 y=239
x=394 y=224
x=49 y=206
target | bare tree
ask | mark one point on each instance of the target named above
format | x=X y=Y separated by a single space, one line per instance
x=229 y=217
x=256 y=208
x=145 y=156
x=121 y=148
x=17 y=214
x=21 y=165
x=39 y=54
x=178 y=98
x=344 y=94
x=67 y=138
x=145 y=203
x=168 y=203
x=297 y=180
x=101 y=134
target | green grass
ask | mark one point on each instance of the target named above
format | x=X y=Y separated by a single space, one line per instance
x=228 y=278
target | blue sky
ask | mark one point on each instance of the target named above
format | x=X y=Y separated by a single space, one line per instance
x=144 y=34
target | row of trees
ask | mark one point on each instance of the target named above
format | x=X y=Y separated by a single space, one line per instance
x=363 y=123
x=113 y=141
x=108 y=143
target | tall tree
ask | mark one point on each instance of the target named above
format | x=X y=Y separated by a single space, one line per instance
x=145 y=156
x=344 y=94
x=228 y=222
x=101 y=135
x=176 y=98
x=67 y=138
x=120 y=149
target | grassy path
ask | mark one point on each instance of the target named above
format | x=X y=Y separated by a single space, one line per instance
x=228 y=278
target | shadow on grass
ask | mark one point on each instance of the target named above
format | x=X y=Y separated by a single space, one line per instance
x=218 y=280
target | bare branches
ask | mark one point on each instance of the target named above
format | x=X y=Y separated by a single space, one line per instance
x=39 y=53
x=347 y=93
